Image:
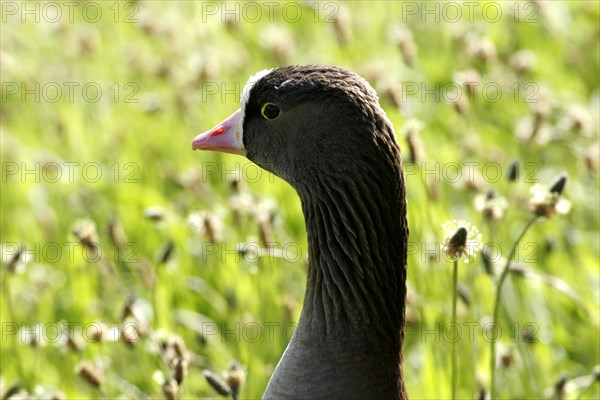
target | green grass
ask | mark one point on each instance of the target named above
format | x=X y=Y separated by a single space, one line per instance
x=169 y=64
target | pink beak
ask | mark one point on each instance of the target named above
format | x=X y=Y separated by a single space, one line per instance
x=225 y=137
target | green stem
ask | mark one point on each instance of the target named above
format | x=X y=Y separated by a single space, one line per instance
x=497 y=301
x=454 y=296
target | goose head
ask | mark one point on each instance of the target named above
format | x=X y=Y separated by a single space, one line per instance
x=322 y=130
x=299 y=121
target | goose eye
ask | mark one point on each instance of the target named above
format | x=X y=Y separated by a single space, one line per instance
x=269 y=111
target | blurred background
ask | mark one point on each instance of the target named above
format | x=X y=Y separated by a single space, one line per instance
x=132 y=266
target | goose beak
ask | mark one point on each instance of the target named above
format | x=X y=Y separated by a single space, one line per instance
x=225 y=137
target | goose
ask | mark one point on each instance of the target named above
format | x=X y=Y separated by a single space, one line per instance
x=321 y=129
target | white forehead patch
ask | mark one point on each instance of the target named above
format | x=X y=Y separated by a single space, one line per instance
x=245 y=97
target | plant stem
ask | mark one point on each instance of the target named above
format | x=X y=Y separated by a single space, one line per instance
x=454 y=296
x=497 y=301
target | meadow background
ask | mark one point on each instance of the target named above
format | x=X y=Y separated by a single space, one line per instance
x=119 y=243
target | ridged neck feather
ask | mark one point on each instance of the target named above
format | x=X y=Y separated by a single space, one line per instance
x=355 y=219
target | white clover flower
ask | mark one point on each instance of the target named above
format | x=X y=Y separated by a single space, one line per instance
x=461 y=240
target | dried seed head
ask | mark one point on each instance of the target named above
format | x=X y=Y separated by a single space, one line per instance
x=179 y=347
x=127 y=311
x=546 y=202
x=474 y=182
x=549 y=244
x=180 y=369
x=506 y=358
x=265 y=232
x=242 y=204
x=87 y=41
x=596 y=372
x=132 y=333
x=522 y=61
x=74 y=343
x=166 y=253
x=98 y=333
x=58 y=396
x=170 y=389
x=491 y=206
x=560 y=386
x=403 y=38
x=213 y=228
x=264 y=214
x=392 y=92
x=415 y=148
x=559 y=183
x=235 y=184
x=89 y=373
x=85 y=231
x=413 y=139
x=250 y=250
x=482 y=394
x=130 y=336
x=487 y=260
x=460 y=106
x=15 y=261
x=231 y=22
x=217 y=383
x=482 y=49
x=116 y=233
x=461 y=240
x=155 y=213
x=33 y=336
x=469 y=79
x=235 y=379
x=580 y=119
x=592 y=157
x=208 y=224
x=513 y=171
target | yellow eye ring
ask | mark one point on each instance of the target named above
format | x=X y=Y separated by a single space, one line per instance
x=269 y=111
